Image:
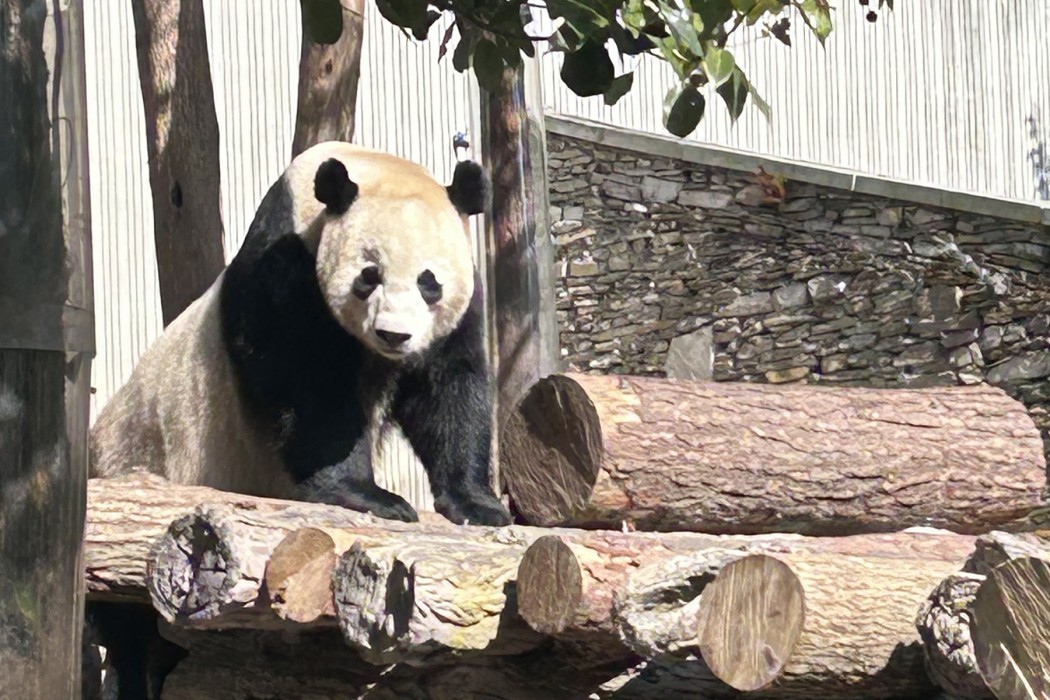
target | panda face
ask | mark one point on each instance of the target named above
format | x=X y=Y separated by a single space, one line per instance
x=396 y=271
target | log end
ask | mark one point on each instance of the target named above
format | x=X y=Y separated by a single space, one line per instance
x=298 y=579
x=550 y=585
x=374 y=600
x=191 y=570
x=749 y=621
x=1011 y=628
x=943 y=623
x=550 y=451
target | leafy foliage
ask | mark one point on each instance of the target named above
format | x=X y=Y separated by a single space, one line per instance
x=690 y=35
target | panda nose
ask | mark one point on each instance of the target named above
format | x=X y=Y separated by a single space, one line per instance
x=393 y=339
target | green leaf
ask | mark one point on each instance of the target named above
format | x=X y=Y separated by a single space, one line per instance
x=683 y=110
x=414 y=15
x=488 y=65
x=584 y=17
x=588 y=70
x=734 y=93
x=817 y=14
x=762 y=105
x=322 y=20
x=719 y=64
x=680 y=24
x=713 y=14
x=619 y=87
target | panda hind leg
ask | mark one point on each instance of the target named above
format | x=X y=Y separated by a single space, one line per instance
x=351 y=484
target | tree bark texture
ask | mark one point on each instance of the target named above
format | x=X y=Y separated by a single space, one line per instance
x=661 y=454
x=944 y=627
x=410 y=599
x=182 y=139
x=328 y=78
x=519 y=251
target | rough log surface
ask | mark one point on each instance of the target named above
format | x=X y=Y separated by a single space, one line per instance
x=944 y=627
x=1011 y=628
x=328 y=77
x=594 y=451
x=574 y=583
x=409 y=599
x=209 y=567
x=856 y=637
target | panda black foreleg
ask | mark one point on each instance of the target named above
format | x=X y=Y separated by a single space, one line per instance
x=445 y=413
x=351 y=484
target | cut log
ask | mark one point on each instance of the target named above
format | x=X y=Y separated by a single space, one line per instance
x=568 y=583
x=825 y=623
x=943 y=623
x=945 y=620
x=595 y=451
x=298 y=579
x=126 y=515
x=1011 y=629
x=633 y=587
x=408 y=599
x=208 y=568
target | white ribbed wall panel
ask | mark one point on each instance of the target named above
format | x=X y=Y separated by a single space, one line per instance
x=936 y=92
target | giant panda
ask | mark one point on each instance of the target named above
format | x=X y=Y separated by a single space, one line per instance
x=353 y=301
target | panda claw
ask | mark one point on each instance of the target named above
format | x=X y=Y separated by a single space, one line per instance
x=396 y=508
x=486 y=512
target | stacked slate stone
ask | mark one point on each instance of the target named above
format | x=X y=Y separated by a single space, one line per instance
x=678 y=269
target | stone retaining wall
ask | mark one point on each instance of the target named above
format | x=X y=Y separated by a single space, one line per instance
x=669 y=266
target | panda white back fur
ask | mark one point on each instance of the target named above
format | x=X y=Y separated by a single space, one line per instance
x=353 y=300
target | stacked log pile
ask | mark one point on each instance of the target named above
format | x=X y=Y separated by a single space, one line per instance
x=677 y=540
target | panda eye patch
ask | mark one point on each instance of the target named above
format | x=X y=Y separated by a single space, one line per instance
x=429 y=287
x=367 y=281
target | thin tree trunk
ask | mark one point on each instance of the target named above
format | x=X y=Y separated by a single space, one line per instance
x=182 y=138
x=328 y=77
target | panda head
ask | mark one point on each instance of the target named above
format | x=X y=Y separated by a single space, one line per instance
x=394 y=260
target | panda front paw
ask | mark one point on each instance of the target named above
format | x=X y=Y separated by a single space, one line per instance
x=381 y=504
x=393 y=507
x=478 y=510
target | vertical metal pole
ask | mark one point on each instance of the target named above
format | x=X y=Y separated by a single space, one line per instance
x=46 y=346
x=519 y=256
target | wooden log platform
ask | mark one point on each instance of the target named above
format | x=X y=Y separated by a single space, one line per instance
x=660 y=454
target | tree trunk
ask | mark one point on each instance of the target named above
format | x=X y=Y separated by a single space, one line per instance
x=46 y=345
x=182 y=139
x=328 y=77
x=595 y=451
x=813 y=624
x=520 y=257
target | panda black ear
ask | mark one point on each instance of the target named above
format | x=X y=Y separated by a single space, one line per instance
x=469 y=190
x=333 y=187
